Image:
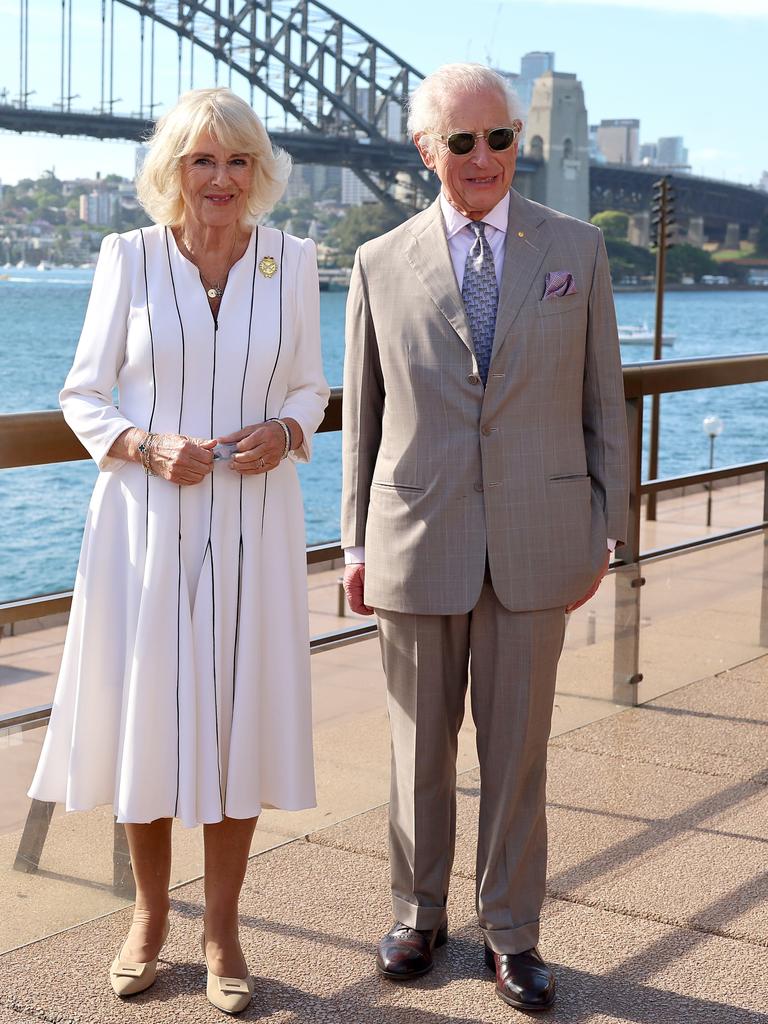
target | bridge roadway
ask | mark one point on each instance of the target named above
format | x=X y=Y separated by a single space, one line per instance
x=305 y=147
x=611 y=186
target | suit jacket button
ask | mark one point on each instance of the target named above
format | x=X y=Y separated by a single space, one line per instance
x=479 y=488
x=473 y=378
x=487 y=431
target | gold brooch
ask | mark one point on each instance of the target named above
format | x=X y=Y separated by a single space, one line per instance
x=268 y=266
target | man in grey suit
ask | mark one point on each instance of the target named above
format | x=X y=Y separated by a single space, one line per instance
x=485 y=479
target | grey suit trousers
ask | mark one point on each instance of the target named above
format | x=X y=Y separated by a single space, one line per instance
x=511 y=658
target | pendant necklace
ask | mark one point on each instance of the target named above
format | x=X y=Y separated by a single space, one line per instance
x=213 y=289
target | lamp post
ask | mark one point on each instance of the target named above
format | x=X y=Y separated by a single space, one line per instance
x=713 y=427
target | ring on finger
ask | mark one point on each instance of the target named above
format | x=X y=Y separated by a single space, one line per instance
x=261 y=463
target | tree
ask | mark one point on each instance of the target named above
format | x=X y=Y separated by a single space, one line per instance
x=761 y=246
x=613 y=223
x=627 y=260
x=360 y=224
x=46 y=201
x=299 y=212
x=49 y=183
x=688 y=260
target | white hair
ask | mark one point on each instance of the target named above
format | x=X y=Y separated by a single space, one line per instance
x=427 y=103
x=229 y=120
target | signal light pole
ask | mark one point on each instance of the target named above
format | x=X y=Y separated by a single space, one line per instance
x=663 y=221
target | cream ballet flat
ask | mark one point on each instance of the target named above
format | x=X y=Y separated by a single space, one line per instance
x=231 y=995
x=128 y=978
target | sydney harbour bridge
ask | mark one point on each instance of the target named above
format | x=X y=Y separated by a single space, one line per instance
x=331 y=93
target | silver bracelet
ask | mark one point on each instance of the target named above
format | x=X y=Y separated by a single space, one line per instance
x=287 y=434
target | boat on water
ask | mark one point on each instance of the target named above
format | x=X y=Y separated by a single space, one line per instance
x=42 y=265
x=641 y=334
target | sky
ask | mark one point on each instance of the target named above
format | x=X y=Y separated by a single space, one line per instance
x=695 y=68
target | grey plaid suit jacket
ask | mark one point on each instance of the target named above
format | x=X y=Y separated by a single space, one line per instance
x=438 y=470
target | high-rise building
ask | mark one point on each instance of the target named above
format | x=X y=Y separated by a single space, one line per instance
x=648 y=152
x=535 y=63
x=98 y=207
x=532 y=66
x=671 y=153
x=139 y=157
x=619 y=140
x=595 y=153
x=353 y=191
x=314 y=181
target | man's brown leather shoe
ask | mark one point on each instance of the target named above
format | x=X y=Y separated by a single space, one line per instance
x=406 y=953
x=523 y=980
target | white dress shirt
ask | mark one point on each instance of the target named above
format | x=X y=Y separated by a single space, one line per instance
x=460 y=240
x=461 y=237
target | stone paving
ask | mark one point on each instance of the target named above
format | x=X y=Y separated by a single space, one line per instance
x=657 y=909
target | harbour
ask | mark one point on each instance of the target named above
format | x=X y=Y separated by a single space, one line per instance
x=42 y=315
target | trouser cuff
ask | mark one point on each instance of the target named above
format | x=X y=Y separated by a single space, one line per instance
x=414 y=916
x=512 y=940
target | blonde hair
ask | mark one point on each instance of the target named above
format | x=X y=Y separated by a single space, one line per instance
x=229 y=120
x=427 y=103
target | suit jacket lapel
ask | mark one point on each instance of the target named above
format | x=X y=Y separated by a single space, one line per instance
x=430 y=261
x=528 y=239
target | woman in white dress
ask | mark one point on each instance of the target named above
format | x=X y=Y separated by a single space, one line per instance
x=184 y=689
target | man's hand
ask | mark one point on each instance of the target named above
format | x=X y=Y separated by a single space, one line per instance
x=354 y=587
x=593 y=589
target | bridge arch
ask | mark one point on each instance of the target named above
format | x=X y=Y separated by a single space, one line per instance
x=334 y=76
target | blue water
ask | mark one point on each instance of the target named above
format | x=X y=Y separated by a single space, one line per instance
x=43 y=507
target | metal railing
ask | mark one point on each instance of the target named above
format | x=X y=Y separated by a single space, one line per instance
x=657 y=378
x=41 y=438
x=38 y=438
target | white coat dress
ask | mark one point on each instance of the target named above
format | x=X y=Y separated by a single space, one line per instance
x=184 y=688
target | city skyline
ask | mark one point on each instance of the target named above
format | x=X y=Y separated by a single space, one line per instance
x=710 y=58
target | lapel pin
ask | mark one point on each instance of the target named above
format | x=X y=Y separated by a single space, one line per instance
x=268 y=266
x=521 y=234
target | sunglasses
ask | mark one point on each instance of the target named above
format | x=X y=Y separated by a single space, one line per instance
x=462 y=143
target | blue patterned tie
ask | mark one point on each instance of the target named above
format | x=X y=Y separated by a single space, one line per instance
x=480 y=293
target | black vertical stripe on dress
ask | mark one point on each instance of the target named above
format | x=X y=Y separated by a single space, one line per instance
x=274 y=368
x=178 y=584
x=209 y=554
x=154 y=378
x=240 y=540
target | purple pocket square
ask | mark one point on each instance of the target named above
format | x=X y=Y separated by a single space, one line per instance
x=558 y=284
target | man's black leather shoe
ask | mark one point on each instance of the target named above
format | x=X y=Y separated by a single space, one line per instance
x=523 y=980
x=406 y=952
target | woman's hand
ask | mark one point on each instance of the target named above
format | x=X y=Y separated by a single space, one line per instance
x=259 y=447
x=182 y=460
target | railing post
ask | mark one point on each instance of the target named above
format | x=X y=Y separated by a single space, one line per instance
x=33 y=837
x=764 y=597
x=626 y=631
